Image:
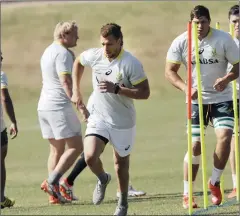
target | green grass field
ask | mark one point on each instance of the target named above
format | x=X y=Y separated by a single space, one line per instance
x=161 y=142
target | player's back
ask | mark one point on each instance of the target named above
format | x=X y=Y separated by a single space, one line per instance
x=53 y=96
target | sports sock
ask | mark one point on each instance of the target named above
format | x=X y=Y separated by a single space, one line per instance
x=78 y=168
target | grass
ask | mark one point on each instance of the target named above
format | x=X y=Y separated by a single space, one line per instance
x=156 y=162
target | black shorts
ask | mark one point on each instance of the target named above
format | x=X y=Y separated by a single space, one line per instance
x=211 y=112
x=4 y=138
x=220 y=115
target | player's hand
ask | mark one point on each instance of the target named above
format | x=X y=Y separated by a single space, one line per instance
x=77 y=98
x=220 y=84
x=106 y=86
x=84 y=111
x=194 y=93
x=13 y=130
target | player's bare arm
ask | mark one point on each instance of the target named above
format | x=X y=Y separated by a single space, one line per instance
x=66 y=81
x=171 y=74
x=140 y=91
x=222 y=83
x=8 y=106
x=77 y=73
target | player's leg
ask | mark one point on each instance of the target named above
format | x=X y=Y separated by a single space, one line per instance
x=123 y=141
x=233 y=163
x=196 y=157
x=57 y=148
x=95 y=141
x=121 y=165
x=65 y=127
x=66 y=184
x=5 y=201
x=223 y=122
x=54 y=155
x=233 y=169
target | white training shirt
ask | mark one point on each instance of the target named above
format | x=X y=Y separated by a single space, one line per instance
x=4 y=85
x=116 y=111
x=56 y=60
x=230 y=67
x=216 y=50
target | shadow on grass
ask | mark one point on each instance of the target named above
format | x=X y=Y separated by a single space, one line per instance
x=214 y=207
x=142 y=199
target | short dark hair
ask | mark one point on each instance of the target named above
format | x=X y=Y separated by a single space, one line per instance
x=234 y=10
x=200 y=11
x=112 y=29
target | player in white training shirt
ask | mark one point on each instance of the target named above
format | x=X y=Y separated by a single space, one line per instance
x=216 y=50
x=233 y=16
x=6 y=103
x=118 y=78
x=66 y=184
x=58 y=120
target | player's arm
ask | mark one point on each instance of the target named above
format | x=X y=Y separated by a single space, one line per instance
x=66 y=81
x=9 y=109
x=140 y=91
x=138 y=79
x=232 y=56
x=171 y=74
x=64 y=70
x=78 y=70
x=233 y=74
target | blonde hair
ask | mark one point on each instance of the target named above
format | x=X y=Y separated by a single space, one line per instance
x=64 y=28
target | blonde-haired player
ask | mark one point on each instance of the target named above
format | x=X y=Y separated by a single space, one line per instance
x=58 y=121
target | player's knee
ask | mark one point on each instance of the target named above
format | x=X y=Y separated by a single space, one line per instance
x=195 y=159
x=196 y=148
x=90 y=159
x=56 y=152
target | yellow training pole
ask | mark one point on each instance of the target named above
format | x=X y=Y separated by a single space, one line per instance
x=222 y=178
x=200 y=105
x=235 y=108
x=189 y=110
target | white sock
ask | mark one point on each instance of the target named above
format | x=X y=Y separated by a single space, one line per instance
x=234 y=179
x=216 y=174
x=185 y=187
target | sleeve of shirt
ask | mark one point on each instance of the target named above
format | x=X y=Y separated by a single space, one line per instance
x=231 y=51
x=174 y=53
x=4 y=81
x=86 y=58
x=136 y=72
x=64 y=63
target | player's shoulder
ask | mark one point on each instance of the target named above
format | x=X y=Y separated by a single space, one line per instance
x=92 y=54
x=57 y=48
x=217 y=33
x=94 y=51
x=180 y=40
x=127 y=56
